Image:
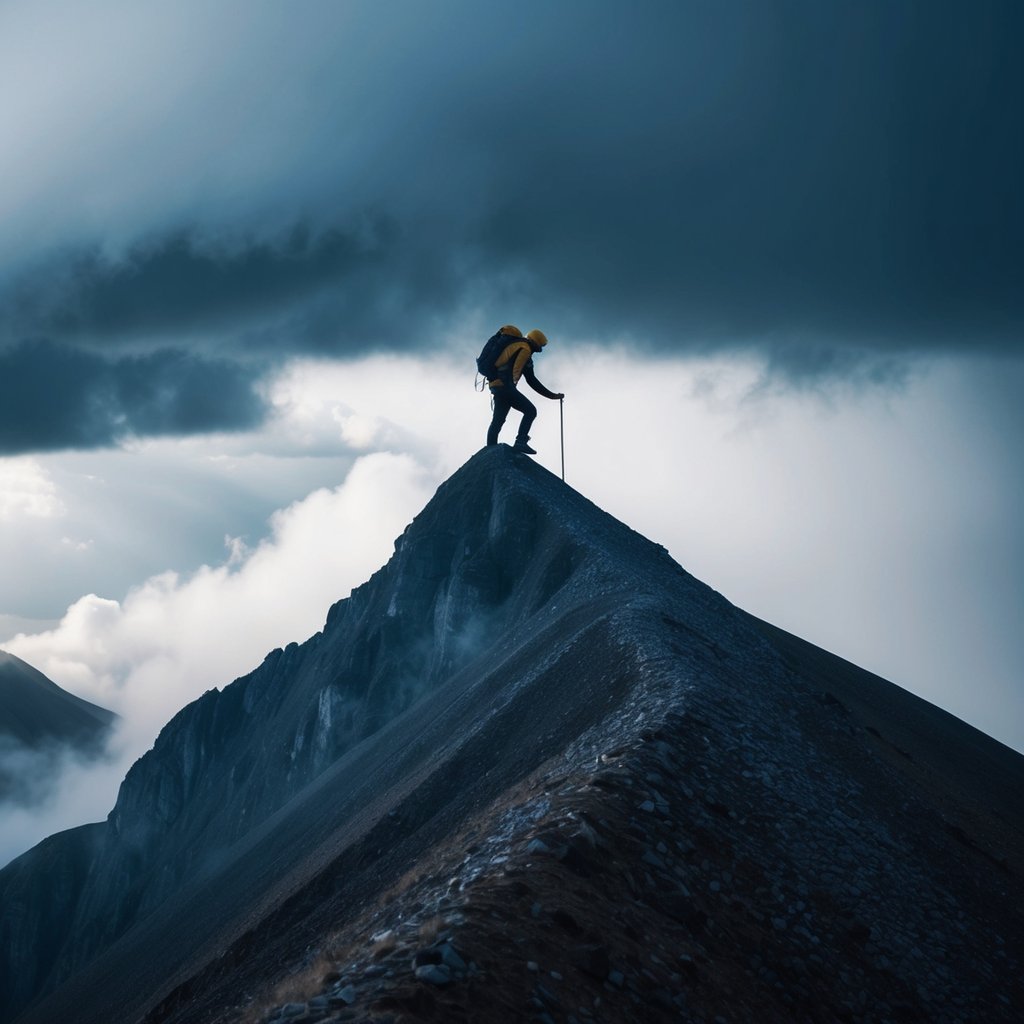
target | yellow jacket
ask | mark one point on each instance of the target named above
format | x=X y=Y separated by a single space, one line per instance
x=518 y=353
x=515 y=361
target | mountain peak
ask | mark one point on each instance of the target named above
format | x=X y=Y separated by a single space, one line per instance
x=35 y=712
x=532 y=702
x=502 y=521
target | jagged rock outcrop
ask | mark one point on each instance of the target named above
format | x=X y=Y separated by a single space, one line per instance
x=516 y=625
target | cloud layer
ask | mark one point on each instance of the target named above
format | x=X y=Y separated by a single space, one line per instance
x=173 y=637
x=57 y=396
x=826 y=185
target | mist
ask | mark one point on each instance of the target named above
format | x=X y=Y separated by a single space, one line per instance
x=174 y=636
x=55 y=790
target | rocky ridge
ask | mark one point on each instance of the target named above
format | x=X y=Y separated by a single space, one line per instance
x=710 y=851
x=645 y=886
x=546 y=744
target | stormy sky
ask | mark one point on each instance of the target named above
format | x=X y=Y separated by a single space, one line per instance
x=778 y=246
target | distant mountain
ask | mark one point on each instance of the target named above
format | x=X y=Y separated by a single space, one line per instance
x=534 y=770
x=39 y=719
x=34 y=711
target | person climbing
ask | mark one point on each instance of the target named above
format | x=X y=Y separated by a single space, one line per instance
x=514 y=361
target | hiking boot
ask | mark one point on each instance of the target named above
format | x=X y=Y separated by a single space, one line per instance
x=522 y=446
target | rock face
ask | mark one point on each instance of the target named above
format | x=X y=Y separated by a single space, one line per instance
x=39 y=721
x=518 y=637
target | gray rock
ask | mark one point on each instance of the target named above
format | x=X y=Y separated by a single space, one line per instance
x=584 y=833
x=538 y=846
x=616 y=978
x=293 y=1009
x=650 y=857
x=434 y=974
x=450 y=958
x=346 y=996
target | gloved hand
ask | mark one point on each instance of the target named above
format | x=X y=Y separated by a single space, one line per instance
x=559 y=396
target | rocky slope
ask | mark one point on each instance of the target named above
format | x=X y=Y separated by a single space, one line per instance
x=532 y=739
x=651 y=886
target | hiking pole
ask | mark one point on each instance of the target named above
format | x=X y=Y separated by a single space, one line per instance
x=561 y=428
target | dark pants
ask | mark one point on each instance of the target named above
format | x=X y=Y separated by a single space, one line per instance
x=506 y=398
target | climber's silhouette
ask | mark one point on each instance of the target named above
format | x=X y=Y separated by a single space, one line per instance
x=514 y=359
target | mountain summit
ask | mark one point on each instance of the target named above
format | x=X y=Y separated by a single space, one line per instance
x=38 y=723
x=532 y=769
x=35 y=712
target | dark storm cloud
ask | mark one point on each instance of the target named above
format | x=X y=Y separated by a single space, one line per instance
x=180 y=284
x=849 y=177
x=816 y=182
x=54 y=396
x=298 y=289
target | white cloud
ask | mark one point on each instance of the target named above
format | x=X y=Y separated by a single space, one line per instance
x=76 y=545
x=26 y=491
x=175 y=636
x=393 y=403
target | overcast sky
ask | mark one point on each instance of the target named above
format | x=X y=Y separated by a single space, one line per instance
x=250 y=250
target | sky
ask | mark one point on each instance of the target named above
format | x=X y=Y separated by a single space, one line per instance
x=251 y=250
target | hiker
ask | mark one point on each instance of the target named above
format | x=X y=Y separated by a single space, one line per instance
x=514 y=361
